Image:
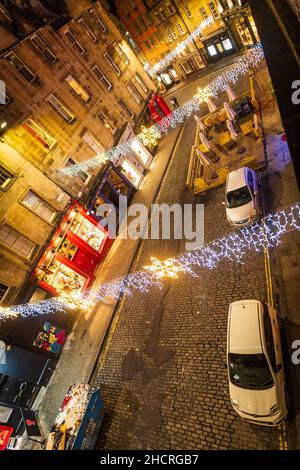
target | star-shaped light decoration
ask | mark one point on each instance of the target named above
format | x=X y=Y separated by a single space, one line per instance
x=7 y=313
x=149 y=136
x=75 y=300
x=202 y=94
x=167 y=268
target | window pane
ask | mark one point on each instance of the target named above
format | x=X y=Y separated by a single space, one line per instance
x=14 y=240
x=227 y=44
x=5 y=178
x=36 y=204
x=79 y=90
x=3 y=290
x=43 y=48
x=212 y=50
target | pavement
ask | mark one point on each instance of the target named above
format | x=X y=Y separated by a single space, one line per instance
x=159 y=358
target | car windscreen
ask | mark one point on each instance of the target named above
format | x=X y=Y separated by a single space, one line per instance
x=250 y=371
x=238 y=197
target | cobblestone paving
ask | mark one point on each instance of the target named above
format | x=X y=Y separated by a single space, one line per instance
x=163 y=379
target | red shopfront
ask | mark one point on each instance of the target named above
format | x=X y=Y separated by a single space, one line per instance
x=75 y=251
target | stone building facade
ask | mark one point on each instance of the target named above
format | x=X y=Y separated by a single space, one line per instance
x=159 y=27
x=72 y=82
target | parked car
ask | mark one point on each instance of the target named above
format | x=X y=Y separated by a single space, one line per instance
x=242 y=197
x=255 y=364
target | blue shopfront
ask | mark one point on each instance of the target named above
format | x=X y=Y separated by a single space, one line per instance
x=112 y=184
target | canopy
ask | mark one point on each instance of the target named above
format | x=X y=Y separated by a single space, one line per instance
x=211 y=106
x=230 y=113
x=204 y=160
x=230 y=127
x=230 y=93
x=200 y=123
x=204 y=141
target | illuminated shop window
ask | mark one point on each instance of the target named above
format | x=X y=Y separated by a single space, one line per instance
x=131 y=173
x=227 y=44
x=87 y=231
x=62 y=278
x=212 y=50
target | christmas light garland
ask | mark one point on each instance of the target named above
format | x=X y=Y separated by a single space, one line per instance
x=179 y=48
x=230 y=76
x=265 y=233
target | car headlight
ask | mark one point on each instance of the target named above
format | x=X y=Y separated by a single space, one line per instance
x=234 y=403
x=274 y=409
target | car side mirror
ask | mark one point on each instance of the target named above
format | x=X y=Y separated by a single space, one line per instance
x=278 y=368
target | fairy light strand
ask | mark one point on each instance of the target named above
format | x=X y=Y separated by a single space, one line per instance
x=179 y=48
x=230 y=76
x=266 y=233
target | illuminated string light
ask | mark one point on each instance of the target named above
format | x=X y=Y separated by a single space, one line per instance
x=202 y=94
x=167 y=268
x=250 y=60
x=149 y=136
x=266 y=233
x=179 y=48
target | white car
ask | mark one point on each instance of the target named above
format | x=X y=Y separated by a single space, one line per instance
x=241 y=197
x=255 y=365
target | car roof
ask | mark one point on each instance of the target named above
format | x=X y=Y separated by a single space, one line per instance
x=244 y=331
x=236 y=179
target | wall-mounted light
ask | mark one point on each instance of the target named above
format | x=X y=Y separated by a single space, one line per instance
x=3 y=125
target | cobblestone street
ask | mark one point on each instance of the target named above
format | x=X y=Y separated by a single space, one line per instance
x=162 y=372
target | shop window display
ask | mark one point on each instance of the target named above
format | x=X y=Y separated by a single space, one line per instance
x=62 y=278
x=87 y=232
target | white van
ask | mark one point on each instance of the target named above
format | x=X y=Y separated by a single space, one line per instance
x=255 y=365
x=242 y=197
